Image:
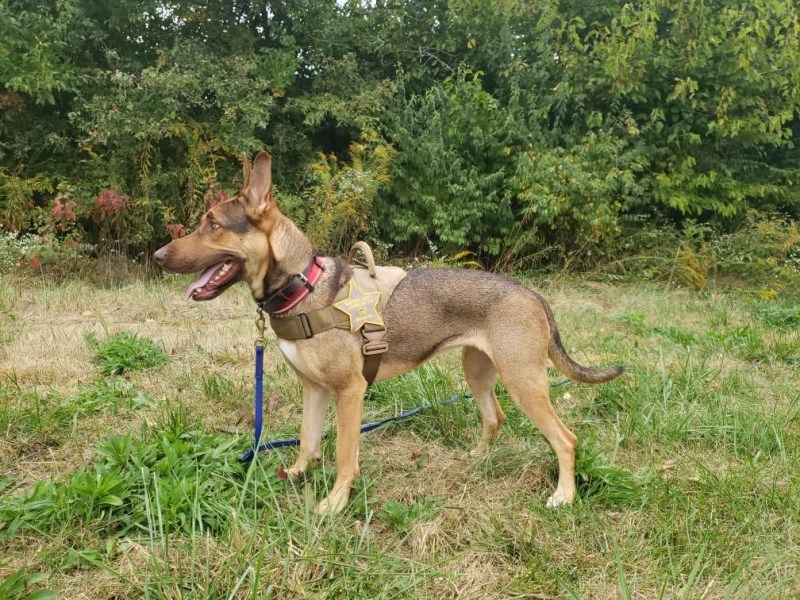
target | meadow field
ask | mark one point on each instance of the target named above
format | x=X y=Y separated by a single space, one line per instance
x=124 y=409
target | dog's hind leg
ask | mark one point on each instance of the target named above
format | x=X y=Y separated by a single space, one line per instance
x=315 y=406
x=528 y=387
x=349 y=409
x=481 y=374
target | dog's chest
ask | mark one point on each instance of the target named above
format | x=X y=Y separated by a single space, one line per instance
x=289 y=350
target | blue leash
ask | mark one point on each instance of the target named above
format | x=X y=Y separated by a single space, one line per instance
x=259 y=402
x=248 y=456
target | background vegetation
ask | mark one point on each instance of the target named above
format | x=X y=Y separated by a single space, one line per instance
x=434 y=126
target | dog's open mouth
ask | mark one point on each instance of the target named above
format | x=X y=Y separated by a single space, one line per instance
x=214 y=280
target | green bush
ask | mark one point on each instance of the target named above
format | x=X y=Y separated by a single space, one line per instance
x=448 y=185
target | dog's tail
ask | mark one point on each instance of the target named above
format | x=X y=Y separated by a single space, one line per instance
x=569 y=367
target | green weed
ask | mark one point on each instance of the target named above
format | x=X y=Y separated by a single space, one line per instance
x=218 y=388
x=402 y=517
x=51 y=415
x=24 y=413
x=103 y=394
x=124 y=352
x=635 y=319
x=684 y=338
x=783 y=316
x=187 y=473
x=432 y=386
x=17 y=586
x=743 y=342
x=598 y=480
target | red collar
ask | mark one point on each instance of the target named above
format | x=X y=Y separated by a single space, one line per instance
x=296 y=289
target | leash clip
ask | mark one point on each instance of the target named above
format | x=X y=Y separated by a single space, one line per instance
x=261 y=326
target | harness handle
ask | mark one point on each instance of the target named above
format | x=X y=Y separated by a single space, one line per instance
x=367 y=252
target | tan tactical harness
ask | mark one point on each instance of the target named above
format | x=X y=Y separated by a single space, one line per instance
x=368 y=278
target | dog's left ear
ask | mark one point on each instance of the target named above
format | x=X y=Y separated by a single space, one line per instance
x=258 y=184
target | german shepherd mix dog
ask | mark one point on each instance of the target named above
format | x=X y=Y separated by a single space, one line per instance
x=503 y=328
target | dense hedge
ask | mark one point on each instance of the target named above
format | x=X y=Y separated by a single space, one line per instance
x=453 y=124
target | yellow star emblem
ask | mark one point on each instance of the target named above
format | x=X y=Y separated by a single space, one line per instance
x=361 y=307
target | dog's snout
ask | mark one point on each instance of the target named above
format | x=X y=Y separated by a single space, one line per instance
x=161 y=256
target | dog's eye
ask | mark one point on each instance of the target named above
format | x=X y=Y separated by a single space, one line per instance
x=213 y=224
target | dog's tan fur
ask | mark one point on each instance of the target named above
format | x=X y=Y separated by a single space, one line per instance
x=505 y=330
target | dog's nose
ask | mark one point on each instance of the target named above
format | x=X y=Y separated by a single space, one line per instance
x=161 y=256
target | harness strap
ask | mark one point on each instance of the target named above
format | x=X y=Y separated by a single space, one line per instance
x=373 y=349
x=307 y=325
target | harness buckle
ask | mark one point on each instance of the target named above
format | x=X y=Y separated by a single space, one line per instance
x=371 y=347
x=306 y=325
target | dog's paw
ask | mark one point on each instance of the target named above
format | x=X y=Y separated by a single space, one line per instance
x=333 y=504
x=479 y=451
x=559 y=499
x=293 y=472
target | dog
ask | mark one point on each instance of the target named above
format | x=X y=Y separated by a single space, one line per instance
x=503 y=328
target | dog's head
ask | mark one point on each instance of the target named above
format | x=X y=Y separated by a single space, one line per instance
x=232 y=241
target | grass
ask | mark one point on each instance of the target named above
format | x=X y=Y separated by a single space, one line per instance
x=128 y=485
x=124 y=352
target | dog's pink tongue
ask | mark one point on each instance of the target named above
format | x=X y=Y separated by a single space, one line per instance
x=202 y=280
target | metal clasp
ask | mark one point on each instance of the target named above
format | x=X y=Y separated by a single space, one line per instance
x=309 y=286
x=261 y=326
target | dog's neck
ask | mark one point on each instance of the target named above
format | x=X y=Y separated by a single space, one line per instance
x=290 y=253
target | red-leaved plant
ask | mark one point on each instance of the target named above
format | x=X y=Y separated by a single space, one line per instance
x=176 y=230
x=213 y=197
x=63 y=213
x=110 y=202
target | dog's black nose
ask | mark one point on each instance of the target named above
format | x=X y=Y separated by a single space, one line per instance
x=161 y=256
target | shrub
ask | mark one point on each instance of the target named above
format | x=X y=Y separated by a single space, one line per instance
x=14 y=249
x=448 y=185
x=337 y=208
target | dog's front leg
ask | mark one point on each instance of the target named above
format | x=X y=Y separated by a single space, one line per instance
x=315 y=405
x=349 y=408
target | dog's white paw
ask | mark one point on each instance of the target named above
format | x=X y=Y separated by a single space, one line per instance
x=333 y=504
x=479 y=451
x=294 y=472
x=559 y=499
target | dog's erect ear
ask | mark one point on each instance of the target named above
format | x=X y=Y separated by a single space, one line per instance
x=246 y=168
x=258 y=184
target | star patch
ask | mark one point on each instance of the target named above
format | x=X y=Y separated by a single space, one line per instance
x=361 y=307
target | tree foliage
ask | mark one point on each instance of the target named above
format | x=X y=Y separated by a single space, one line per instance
x=458 y=123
